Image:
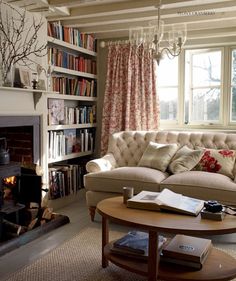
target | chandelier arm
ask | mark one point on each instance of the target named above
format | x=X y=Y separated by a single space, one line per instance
x=169 y=52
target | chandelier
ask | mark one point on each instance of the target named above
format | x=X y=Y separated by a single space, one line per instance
x=152 y=38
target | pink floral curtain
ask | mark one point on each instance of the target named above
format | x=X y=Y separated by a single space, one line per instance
x=130 y=101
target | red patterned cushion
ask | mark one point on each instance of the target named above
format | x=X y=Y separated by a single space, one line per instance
x=217 y=161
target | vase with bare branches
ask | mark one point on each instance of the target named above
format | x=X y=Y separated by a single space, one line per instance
x=19 y=40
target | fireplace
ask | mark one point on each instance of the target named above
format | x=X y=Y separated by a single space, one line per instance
x=23 y=137
x=24 y=215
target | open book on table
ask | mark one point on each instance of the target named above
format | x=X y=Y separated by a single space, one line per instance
x=166 y=200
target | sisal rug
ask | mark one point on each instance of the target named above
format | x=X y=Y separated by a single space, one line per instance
x=78 y=259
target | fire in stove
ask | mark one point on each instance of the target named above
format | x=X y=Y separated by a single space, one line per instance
x=10 y=188
x=21 y=205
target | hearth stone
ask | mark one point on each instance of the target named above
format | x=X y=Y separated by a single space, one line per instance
x=7 y=246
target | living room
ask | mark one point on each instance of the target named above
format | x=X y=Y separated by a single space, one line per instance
x=210 y=41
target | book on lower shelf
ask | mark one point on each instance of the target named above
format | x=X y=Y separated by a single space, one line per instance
x=166 y=200
x=187 y=250
x=135 y=244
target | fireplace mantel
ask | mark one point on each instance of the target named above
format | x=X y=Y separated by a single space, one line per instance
x=36 y=94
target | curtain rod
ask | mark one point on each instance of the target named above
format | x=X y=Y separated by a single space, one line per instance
x=104 y=44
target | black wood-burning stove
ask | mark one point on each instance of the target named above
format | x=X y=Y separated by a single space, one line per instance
x=12 y=205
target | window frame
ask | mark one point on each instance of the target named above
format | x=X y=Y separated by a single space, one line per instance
x=230 y=85
x=225 y=100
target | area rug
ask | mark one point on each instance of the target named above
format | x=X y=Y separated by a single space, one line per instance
x=78 y=259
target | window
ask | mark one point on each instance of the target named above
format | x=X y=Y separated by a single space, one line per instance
x=167 y=79
x=233 y=86
x=198 y=89
x=203 y=85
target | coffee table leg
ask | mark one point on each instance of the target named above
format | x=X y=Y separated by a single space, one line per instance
x=153 y=257
x=105 y=239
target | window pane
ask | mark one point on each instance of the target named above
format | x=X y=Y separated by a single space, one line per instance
x=233 y=103
x=167 y=79
x=233 y=86
x=206 y=68
x=233 y=75
x=167 y=72
x=168 y=103
x=206 y=104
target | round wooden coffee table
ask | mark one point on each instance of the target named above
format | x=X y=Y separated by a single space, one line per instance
x=218 y=266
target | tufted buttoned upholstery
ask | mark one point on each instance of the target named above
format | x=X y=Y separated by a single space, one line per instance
x=127 y=147
x=119 y=167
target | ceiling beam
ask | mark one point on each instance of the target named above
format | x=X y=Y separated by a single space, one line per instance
x=145 y=16
x=138 y=2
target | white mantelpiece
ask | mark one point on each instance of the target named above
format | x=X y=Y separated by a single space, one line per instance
x=17 y=101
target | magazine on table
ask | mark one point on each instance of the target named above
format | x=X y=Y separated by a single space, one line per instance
x=135 y=244
x=166 y=200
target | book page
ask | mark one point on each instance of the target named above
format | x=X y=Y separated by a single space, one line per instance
x=180 y=202
x=147 y=197
x=191 y=204
x=170 y=198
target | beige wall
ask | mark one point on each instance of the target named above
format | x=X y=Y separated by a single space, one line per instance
x=102 y=72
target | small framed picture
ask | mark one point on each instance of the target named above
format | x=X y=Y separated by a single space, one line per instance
x=25 y=78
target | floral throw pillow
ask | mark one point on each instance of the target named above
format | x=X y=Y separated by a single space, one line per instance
x=217 y=161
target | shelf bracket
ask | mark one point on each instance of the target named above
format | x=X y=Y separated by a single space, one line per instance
x=37 y=96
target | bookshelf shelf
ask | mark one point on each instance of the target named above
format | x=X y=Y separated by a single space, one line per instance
x=71 y=126
x=71 y=46
x=73 y=72
x=71 y=97
x=70 y=156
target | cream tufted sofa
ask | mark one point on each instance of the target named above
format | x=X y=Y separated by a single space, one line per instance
x=118 y=168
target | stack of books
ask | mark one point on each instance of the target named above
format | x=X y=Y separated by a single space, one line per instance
x=135 y=244
x=187 y=251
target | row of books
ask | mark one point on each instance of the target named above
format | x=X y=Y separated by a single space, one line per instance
x=72 y=36
x=57 y=57
x=65 y=179
x=74 y=86
x=59 y=114
x=65 y=142
x=181 y=249
x=80 y=115
x=73 y=115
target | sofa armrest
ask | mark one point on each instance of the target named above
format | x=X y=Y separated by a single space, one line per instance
x=106 y=163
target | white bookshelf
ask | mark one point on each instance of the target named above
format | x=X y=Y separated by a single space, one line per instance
x=72 y=101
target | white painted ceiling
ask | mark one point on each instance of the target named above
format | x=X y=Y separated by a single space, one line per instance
x=112 y=18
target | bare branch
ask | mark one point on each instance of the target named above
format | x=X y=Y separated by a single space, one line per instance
x=14 y=26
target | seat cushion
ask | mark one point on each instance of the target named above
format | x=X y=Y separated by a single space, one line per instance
x=203 y=185
x=113 y=181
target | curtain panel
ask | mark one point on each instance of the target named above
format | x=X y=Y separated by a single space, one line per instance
x=130 y=100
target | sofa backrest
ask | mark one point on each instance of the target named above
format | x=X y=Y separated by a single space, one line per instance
x=128 y=146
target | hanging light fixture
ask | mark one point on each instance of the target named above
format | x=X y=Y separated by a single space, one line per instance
x=151 y=37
